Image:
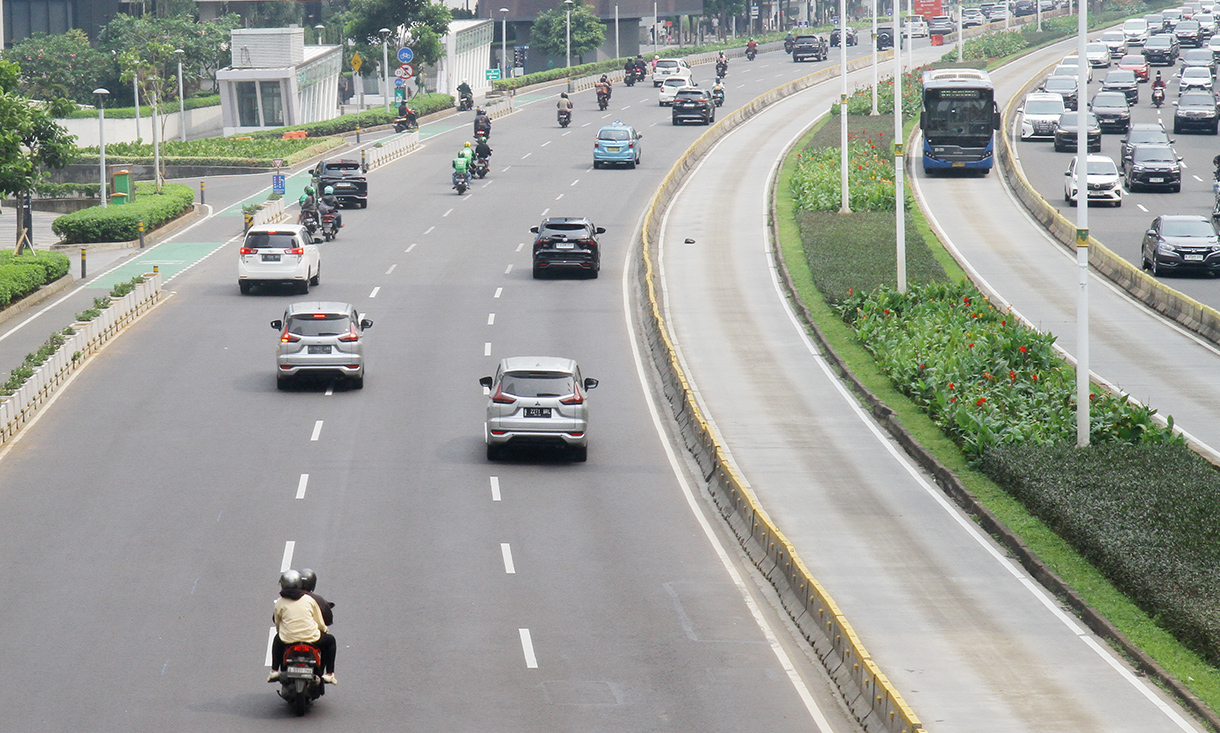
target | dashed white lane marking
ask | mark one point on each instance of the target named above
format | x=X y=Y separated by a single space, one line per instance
x=627 y=106
x=565 y=134
x=330 y=390
x=527 y=646
x=739 y=86
x=488 y=183
x=1141 y=208
x=559 y=197
x=586 y=124
x=495 y=488
x=573 y=183
x=1200 y=180
x=654 y=124
x=286 y=562
x=506 y=168
x=375 y=291
x=317 y=430
x=498 y=292
x=520 y=246
x=508 y=269
x=523 y=157
x=412 y=246
x=447 y=213
x=429 y=230
x=548 y=142
x=545 y=211
x=487 y=348
x=393 y=266
x=507 y=553
x=607 y=115
x=491 y=319
x=301 y=484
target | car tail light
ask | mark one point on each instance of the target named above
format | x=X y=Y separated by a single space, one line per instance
x=351 y=334
x=576 y=399
x=289 y=338
x=295 y=251
x=248 y=251
x=502 y=399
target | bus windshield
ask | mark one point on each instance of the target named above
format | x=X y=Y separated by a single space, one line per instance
x=958 y=113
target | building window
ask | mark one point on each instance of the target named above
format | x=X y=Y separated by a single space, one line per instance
x=273 y=104
x=247 y=104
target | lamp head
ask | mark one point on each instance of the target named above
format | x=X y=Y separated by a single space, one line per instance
x=101 y=92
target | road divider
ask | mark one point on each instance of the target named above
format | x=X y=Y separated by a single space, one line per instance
x=871 y=697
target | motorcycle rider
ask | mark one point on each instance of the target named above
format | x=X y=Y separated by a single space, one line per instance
x=407 y=113
x=481 y=148
x=603 y=88
x=722 y=65
x=564 y=105
x=482 y=123
x=789 y=41
x=461 y=168
x=1158 y=82
x=751 y=46
x=718 y=90
x=298 y=619
x=309 y=205
x=329 y=204
x=309 y=581
x=465 y=93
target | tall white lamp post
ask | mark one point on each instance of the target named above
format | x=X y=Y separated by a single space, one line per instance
x=504 y=44
x=181 y=99
x=320 y=30
x=616 y=54
x=385 y=65
x=567 y=34
x=101 y=137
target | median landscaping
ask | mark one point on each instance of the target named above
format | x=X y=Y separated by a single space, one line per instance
x=1128 y=522
x=121 y=223
x=21 y=275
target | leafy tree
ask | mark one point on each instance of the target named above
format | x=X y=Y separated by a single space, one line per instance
x=60 y=66
x=417 y=23
x=723 y=11
x=205 y=46
x=31 y=142
x=549 y=32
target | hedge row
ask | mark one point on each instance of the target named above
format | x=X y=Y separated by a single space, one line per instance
x=123 y=113
x=22 y=274
x=120 y=223
x=244 y=151
x=423 y=104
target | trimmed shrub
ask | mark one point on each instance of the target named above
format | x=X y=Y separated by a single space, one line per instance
x=22 y=274
x=124 y=113
x=120 y=223
x=237 y=151
x=423 y=104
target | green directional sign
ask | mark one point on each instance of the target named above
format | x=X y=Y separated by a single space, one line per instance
x=492 y=74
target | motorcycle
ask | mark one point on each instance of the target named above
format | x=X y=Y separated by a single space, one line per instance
x=718 y=97
x=629 y=77
x=481 y=168
x=465 y=102
x=722 y=69
x=482 y=126
x=461 y=182
x=565 y=117
x=640 y=73
x=603 y=101
x=750 y=54
x=788 y=46
x=330 y=226
x=309 y=220
x=1158 y=96
x=405 y=123
x=301 y=677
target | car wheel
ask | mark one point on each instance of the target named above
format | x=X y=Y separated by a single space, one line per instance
x=1058 y=147
x=1177 y=188
x=1118 y=204
x=675 y=121
x=243 y=286
x=358 y=382
x=1153 y=267
x=493 y=452
x=1177 y=130
x=597 y=164
x=364 y=204
x=281 y=383
x=631 y=164
x=303 y=287
x=537 y=272
x=316 y=276
x=1215 y=129
x=580 y=453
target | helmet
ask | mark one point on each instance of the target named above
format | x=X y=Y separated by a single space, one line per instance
x=465 y=82
x=328 y=190
x=290 y=579
x=309 y=190
x=657 y=56
x=564 y=95
x=603 y=77
x=467 y=144
x=482 y=138
x=309 y=579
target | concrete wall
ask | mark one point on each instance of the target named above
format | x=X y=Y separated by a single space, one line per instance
x=201 y=122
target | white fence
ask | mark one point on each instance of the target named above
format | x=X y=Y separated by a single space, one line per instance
x=200 y=122
x=391 y=149
x=20 y=407
x=271 y=213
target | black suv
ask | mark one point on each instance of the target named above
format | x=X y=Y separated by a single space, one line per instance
x=1161 y=49
x=693 y=104
x=1122 y=80
x=1196 y=110
x=346 y=178
x=885 y=38
x=805 y=48
x=1189 y=33
x=1153 y=166
x=565 y=242
x=851 y=36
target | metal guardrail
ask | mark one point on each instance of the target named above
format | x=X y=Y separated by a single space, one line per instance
x=872 y=698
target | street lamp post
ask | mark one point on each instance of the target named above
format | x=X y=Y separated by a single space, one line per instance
x=385 y=65
x=616 y=54
x=504 y=43
x=181 y=99
x=567 y=4
x=656 y=37
x=319 y=28
x=101 y=137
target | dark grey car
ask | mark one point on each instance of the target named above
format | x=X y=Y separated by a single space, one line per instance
x=1195 y=111
x=1122 y=80
x=1143 y=133
x=1153 y=166
x=1065 y=133
x=1113 y=112
x=1181 y=243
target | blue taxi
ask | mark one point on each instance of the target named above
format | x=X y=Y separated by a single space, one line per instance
x=617 y=143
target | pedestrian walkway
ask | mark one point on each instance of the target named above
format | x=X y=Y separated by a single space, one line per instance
x=43 y=236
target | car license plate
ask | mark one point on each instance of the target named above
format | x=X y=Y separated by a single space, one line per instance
x=1194 y=258
x=319 y=349
x=343 y=185
x=565 y=245
x=614 y=149
x=1156 y=180
x=271 y=258
x=537 y=412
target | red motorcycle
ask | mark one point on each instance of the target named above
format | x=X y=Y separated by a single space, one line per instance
x=330 y=226
x=301 y=677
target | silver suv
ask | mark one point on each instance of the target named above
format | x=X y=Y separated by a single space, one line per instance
x=321 y=338
x=537 y=401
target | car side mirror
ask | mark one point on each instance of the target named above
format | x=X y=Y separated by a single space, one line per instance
x=639 y=136
x=366 y=323
x=277 y=325
x=1150 y=233
x=600 y=230
x=534 y=230
x=590 y=383
x=486 y=382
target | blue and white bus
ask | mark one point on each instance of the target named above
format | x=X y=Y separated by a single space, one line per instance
x=958 y=119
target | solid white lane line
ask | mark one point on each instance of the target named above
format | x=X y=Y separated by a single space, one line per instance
x=375 y=291
x=317 y=430
x=286 y=563
x=523 y=157
x=447 y=213
x=559 y=197
x=573 y=183
x=548 y=142
x=508 y=269
x=507 y=553
x=527 y=646
x=498 y=291
x=393 y=266
x=520 y=246
x=429 y=230
x=412 y=246
x=487 y=348
x=495 y=488
x=301 y=485
x=270 y=639
x=491 y=319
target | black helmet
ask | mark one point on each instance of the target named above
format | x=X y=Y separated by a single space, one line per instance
x=290 y=579
x=309 y=579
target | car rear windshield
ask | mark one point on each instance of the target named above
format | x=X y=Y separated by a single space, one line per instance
x=667 y=63
x=1187 y=228
x=319 y=324
x=270 y=240
x=1131 y=60
x=565 y=227
x=613 y=135
x=538 y=384
x=806 y=39
x=690 y=94
x=342 y=167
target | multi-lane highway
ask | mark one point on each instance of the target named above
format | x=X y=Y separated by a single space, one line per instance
x=145 y=517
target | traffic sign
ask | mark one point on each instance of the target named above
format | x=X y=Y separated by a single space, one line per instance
x=491 y=74
x=277 y=183
x=406 y=71
x=278 y=162
x=356 y=62
x=753 y=11
x=400 y=82
x=405 y=55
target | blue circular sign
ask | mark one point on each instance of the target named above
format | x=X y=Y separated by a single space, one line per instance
x=405 y=55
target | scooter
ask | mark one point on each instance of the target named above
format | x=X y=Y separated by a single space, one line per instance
x=330 y=226
x=301 y=677
x=629 y=77
x=565 y=117
x=405 y=123
x=481 y=168
x=466 y=103
x=603 y=101
x=1158 y=96
x=750 y=54
x=482 y=127
x=722 y=69
x=309 y=220
x=461 y=182
x=718 y=97
x=788 y=46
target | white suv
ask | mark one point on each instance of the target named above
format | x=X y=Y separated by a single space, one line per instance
x=537 y=401
x=1040 y=115
x=278 y=254
x=668 y=69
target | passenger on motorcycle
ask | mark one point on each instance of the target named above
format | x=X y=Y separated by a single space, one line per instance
x=329 y=204
x=603 y=88
x=466 y=152
x=564 y=104
x=298 y=619
x=461 y=168
x=309 y=205
x=481 y=148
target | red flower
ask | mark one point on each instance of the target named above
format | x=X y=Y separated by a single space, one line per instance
x=970 y=345
x=987 y=375
x=953 y=399
x=1003 y=323
x=966 y=300
x=1092 y=397
x=1035 y=377
x=980 y=402
x=1012 y=376
x=1022 y=349
x=950 y=385
x=887 y=311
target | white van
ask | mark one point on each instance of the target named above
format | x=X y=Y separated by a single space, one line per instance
x=669 y=69
x=919 y=26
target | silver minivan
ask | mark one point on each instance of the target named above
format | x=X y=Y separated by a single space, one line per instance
x=537 y=401
x=319 y=338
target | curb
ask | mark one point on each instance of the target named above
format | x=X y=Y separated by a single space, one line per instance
x=12 y=310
